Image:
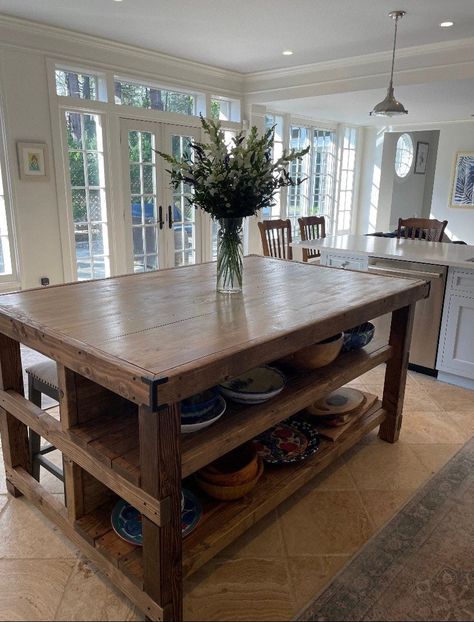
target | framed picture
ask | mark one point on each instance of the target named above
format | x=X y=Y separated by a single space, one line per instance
x=421 y=157
x=33 y=161
x=462 y=192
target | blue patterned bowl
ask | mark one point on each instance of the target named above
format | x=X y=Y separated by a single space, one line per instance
x=200 y=404
x=358 y=337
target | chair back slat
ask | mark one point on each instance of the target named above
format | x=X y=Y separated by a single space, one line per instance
x=428 y=229
x=276 y=238
x=312 y=228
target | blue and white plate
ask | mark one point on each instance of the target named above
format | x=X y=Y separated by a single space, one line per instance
x=127 y=520
x=254 y=386
x=193 y=424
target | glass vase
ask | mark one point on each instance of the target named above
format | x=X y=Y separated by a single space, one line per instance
x=229 y=256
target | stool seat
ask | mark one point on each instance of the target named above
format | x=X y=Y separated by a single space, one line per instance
x=46 y=373
x=42 y=379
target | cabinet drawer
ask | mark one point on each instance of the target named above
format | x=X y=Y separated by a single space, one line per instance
x=462 y=281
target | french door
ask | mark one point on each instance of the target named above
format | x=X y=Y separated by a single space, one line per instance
x=163 y=229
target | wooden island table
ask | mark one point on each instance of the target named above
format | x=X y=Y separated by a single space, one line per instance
x=129 y=348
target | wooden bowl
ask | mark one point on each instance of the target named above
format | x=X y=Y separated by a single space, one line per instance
x=318 y=354
x=239 y=466
x=230 y=493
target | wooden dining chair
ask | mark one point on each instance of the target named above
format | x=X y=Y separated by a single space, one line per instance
x=276 y=238
x=312 y=228
x=428 y=229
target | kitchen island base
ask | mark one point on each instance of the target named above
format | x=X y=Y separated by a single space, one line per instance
x=116 y=444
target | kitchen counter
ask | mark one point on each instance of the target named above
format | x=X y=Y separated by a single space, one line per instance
x=440 y=253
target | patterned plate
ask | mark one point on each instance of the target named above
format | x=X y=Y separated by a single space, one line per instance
x=292 y=440
x=127 y=521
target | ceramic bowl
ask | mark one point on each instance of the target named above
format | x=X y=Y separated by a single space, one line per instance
x=230 y=493
x=358 y=337
x=254 y=386
x=319 y=354
x=199 y=404
x=205 y=420
x=239 y=466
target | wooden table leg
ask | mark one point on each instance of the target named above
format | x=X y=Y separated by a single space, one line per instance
x=16 y=451
x=160 y=466
x=396 y=373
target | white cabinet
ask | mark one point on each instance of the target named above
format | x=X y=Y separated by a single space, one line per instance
x=343 y=260
x=456 y=345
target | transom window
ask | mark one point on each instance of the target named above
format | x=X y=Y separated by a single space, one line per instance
x=81 y=85
x=130 y=93
x=404 y=155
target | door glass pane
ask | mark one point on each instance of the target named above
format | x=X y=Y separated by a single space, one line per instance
x=184 y=215
x=143 y=189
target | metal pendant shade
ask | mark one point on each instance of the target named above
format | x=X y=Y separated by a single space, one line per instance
x=390 y=106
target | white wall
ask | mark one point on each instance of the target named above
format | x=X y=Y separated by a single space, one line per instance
x=453 y=137
x=378 y=181
x=30 y=114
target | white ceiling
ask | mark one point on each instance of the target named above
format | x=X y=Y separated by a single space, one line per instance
x=449 y=100
x=249 y=35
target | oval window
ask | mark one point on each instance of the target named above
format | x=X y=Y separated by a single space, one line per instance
x=404 y=155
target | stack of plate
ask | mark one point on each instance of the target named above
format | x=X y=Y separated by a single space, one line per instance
x=254 y=386
x=127 y=520
x=196 y=415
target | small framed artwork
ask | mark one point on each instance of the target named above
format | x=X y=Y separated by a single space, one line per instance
x=33 y=161
x=421 y=158
x=462 y=192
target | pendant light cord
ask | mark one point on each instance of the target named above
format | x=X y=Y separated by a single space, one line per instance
x=393 y=53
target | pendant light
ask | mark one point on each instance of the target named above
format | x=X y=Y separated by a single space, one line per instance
x=390 y=107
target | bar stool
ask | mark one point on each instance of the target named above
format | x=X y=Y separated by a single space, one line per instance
x=42 y=379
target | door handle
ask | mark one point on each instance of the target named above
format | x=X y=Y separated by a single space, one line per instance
x=344 y=264
x=170 y=217
x=160 y=217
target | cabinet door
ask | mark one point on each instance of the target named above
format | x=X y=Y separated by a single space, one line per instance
x=457 y=337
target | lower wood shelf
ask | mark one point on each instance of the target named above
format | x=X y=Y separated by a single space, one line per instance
x=222 y=523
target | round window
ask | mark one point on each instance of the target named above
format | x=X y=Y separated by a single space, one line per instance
x=404 y=155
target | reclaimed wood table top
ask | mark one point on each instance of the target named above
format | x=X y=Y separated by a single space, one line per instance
x=170 y=322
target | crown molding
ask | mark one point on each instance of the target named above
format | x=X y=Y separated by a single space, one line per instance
x=364 y=59
x=64 y=35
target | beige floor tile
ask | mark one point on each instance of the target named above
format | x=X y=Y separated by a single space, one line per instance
x=26 y=533
x=32 y=589
x=434 y=457
x=450 y=397
x=386 y=466
x=325 y=522
x=416 y=399
x=264 y=540
x=3 y=502
x=245 y=589
x=334 y=477
x=429 y=427
x=88 y=595
x=382 y=505
x=463 y=420
x=310 y=574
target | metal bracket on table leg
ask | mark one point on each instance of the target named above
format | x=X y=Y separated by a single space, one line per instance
x=153 y=384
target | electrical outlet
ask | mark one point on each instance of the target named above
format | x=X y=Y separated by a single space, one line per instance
x=44 y=280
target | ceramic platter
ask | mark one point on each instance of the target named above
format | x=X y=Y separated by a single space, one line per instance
x=254 y=386
x=292 y=440
x=340 y=402
x=198 y=422
x=127 y=521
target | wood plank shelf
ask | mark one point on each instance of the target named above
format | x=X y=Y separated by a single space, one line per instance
x=224 y=522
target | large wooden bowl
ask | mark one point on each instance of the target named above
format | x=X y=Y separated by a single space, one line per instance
x=318 y=354
x=239 y=466
x=230 y=493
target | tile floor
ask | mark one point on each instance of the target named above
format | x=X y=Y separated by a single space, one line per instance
x=278 y=566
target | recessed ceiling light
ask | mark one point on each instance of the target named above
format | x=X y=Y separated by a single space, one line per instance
x=287 y=52
x=446 y=24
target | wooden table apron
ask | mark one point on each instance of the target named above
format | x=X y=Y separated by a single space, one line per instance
x=135 y=346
